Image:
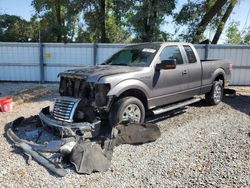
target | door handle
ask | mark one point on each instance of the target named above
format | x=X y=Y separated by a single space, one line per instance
x=184 y=72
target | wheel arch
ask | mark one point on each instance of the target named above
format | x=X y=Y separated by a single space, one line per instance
x=137 y=93
x=133 y=88
x=219 y=74
x=220 y=77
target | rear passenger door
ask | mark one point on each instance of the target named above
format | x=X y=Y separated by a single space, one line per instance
x=194 y=71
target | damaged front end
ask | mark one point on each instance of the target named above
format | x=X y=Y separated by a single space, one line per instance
x=73 y=129
x=79 y=109
x=76 y=115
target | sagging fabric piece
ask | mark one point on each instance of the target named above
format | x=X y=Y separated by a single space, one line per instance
x=88 y=157
x=91 y=157
x=134 y=133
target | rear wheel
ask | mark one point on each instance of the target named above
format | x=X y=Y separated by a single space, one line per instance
x=127 y=109
x=214 y=97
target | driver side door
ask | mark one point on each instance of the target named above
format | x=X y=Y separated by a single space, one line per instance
x=169 y=85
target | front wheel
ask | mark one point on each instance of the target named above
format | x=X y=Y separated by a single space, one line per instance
x=127 y=109
x=214 y=97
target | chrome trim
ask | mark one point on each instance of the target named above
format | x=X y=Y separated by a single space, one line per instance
x=69 y=106
x=85 y=126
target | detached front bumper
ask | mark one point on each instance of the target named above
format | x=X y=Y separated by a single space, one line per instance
x=85 y=129
x=32 y=149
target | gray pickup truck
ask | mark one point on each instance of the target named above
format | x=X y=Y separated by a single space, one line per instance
x=150 y=77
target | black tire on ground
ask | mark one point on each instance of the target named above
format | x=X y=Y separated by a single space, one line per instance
x=127 y=107
x=214 y=97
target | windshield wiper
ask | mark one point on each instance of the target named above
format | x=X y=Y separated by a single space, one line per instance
x=121 y=64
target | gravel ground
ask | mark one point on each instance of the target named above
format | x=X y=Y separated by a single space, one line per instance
x=202 y=147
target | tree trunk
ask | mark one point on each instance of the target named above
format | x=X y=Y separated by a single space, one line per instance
x=145 y=35
x=207 y=18
x=59 y=21
x=103 y=21
x=223 y=21
x=149 y=22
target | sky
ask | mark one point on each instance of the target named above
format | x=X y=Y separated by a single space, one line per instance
x=240 y=14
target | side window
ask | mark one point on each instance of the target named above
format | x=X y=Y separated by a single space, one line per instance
x=172 y=52
x=190 y=54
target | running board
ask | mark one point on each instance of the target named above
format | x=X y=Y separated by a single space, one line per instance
x=175 y=106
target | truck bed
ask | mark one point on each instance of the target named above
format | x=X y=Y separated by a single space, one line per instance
x=210 y=66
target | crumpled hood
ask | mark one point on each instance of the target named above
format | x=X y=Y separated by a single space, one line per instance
x=94 y=73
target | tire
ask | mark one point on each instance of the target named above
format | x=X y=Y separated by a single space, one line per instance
x=214 y=97
x=127 y=109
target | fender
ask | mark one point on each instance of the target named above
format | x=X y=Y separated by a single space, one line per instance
x=218 y=72
x=128 y=84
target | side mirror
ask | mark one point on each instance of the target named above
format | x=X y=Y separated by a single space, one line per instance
x=166 y=64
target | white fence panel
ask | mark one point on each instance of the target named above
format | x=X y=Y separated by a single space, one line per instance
x=61 y=57
x=19 y=62
x=22 y=62
x=201 y=50
x=239 y=56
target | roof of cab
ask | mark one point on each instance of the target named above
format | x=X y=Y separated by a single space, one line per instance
x=156 y=45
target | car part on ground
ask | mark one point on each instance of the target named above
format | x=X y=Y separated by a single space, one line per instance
x=87 y=155
x=230 y=92
x=134 y=133
x=33 y=149
x=69 y=128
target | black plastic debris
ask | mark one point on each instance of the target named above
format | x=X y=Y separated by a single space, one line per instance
x=87 y=155
x=134 y=133
x=91 y=157
x=230 y=92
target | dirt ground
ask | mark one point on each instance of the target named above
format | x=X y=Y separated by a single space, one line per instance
x=202 y=146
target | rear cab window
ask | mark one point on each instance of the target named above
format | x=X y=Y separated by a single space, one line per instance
x=190 y=54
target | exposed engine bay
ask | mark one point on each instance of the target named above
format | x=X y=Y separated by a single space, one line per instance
x=90 y=93
x=79 y=108
x=91 y=97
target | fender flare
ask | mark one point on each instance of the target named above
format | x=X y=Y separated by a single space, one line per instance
x=217 y=73
x=127 y=85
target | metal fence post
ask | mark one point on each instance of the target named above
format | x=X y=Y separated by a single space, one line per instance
x=94 y=53
x=206 y=51
x=41 y=61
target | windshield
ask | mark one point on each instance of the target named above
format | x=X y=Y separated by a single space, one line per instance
x=132 y=57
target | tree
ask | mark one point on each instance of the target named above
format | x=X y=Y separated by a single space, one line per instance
x=191 y=16
x=188 y=18
x=200 y=15
x=101 y=21
x=114 y=32
x=14 y=29
x=223 y=21
x=246 y=36
x=145 y=18
x=207 y=18
x=57 y=21
x=95 y=13
x=233 y=34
